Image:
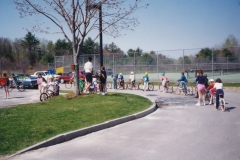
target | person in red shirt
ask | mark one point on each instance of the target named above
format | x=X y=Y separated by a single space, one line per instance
x=212 y=90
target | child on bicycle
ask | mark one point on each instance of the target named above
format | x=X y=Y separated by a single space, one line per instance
x=121 y=78
x=11 y=80
x=132 y=78
x=211 y=90
x=145 y=80
x=219 y=91
x=51 y=84
x=183 y=82
x=164 y=80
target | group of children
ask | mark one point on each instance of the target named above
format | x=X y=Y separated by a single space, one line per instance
x=203 y=86
x=48 y=84
x=131 y=79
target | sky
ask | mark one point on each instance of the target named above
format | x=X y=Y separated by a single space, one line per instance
x=164 y=25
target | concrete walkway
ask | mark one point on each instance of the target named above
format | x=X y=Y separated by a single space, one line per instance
x=177 y=130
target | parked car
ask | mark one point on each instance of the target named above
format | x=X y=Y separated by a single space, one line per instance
x=66 y=76
x=27 y=80
x=45 y=75
x=109 y=71
x=30 y=82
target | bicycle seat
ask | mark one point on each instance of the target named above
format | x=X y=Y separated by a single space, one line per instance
x=221 y=95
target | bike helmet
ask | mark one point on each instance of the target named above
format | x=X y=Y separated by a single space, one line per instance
x=211 y=80
x=120 y=74
x=50 y=76
x=163 y=73
x=132 y=72
x=146 y=73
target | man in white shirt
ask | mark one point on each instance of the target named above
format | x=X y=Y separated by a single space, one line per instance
x=88 y=68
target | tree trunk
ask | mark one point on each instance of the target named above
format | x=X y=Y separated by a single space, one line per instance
x=76 y=76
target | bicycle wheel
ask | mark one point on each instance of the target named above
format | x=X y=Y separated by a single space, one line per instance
x=170 y=89
x=10 y=87
x=68 y=85
x=21 y=87
x=109 y=85
x=222 y=103
x=43 y=97
x=129 y=86
x=161 y=88
x=140 y=86
x=50 y=93
x=189 y=90
x=178 y=90
x=150 y=86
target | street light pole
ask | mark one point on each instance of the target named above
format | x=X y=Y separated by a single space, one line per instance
x=99 y=7
x=100 y=31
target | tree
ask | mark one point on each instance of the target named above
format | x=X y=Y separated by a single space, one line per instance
x=186 y=60
x=136 y=53
x=79 y=18
x=231 y=41
x=90 y=47
x=204 y=53
x=147 y=58
x=62 y=47
x=30 y=42
x=47 y=58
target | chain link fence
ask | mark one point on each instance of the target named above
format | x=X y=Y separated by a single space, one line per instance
x=224 y=67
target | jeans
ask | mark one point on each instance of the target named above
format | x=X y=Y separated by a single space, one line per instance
x=114 y=83
x=183 y=84
x=217 y=96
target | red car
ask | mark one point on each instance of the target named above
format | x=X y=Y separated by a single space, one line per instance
x=66 y=76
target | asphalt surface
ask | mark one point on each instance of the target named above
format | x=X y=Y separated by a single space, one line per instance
x=176 y=130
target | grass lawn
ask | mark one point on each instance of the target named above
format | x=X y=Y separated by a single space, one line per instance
x=25 y=125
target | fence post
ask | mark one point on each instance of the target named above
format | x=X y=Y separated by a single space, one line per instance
x=183 y=61
x=157 y=67
x=212 y=64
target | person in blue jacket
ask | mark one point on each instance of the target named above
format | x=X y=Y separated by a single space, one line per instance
x=114 y=77
x=183 y=82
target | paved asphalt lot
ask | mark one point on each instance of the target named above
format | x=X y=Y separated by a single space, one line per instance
x=177 y=130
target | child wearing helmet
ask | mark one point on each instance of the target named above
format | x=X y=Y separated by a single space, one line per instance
x=132 y=78
x=164 y=80
x=212 y=90
x=145 y=80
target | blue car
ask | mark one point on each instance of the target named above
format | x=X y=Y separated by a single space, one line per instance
x=27 y=80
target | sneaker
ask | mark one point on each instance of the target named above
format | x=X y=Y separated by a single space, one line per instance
x=8 y=97
x=99 y=93
x=204 y=103
x=198 y=104
x=5 y=98
x=103 y=94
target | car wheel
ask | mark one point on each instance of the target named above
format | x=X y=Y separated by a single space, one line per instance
x=61 y=81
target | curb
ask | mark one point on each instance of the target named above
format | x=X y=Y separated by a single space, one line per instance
x=84 y=131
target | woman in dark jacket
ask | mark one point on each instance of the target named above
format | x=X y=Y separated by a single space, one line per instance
x=102 y=77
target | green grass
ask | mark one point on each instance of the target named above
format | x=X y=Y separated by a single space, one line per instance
x=25 y=125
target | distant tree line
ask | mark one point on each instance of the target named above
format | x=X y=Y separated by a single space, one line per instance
x=29 y=52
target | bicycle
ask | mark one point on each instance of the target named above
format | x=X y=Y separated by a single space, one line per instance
x=222 y=102
x=180 y=90
x=150 y=86
x=47 y=94
x=169 y=88
x=121 y=85
x=69 y=84
x=132 y=85
x=18 y=86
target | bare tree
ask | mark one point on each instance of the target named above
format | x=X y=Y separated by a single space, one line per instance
x=77 y=18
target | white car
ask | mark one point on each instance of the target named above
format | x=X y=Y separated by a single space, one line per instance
x=45 y=75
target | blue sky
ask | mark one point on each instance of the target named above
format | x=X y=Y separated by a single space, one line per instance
x=164 y=25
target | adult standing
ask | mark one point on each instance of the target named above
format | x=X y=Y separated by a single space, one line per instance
x=88 y=68
x=201 y=87
x=6 y=86
x=102 y=78
x=115 y=77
